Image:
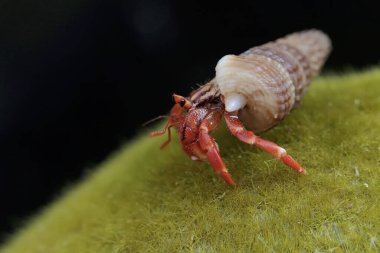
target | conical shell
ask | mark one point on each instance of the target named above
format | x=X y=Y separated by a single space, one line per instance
x=273 y=77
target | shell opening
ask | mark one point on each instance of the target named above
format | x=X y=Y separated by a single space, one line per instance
x=234 y=102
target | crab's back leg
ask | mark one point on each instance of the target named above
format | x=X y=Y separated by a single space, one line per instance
x=237 y=129
x=208 y=144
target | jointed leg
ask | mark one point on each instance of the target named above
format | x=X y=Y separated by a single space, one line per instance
x=214 y=158
x=161 y=132
x=208 y=144
x=174 y=118
x=238 y=130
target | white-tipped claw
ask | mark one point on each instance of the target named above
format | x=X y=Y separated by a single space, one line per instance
x=194 y=158
x=234 y=102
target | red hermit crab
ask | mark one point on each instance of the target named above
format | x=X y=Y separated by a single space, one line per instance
x=258 y=87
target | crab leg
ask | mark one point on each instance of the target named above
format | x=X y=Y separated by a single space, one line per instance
x=175 y=116
x=208 y=144
x=161 y=132
x=238 y=130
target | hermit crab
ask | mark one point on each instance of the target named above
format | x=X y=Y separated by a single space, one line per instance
x=253 y=92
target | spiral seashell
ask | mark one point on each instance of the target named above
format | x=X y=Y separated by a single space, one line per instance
x=266 y=82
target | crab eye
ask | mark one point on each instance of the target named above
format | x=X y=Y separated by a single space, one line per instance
x=182 y=103
x=185 y=103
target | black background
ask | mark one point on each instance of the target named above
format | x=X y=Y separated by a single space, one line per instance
x=79 y=77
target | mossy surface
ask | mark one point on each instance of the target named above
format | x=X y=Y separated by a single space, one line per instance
x=146 y=200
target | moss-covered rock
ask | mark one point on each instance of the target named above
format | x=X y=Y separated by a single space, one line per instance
x=146 y=200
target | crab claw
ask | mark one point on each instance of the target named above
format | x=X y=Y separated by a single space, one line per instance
x=214 y=158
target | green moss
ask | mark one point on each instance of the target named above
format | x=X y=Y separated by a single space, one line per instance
x=146 y=200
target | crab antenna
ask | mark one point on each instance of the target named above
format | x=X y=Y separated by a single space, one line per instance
x=154 y=119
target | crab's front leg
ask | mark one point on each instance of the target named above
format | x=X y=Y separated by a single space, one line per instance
x=208 y=144
x=238 y=130
x=174 y=118
x=161 y=132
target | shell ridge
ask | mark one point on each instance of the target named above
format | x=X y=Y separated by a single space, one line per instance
x=273 y=77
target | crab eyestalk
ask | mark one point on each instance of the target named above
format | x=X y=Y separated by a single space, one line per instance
x=182 y=101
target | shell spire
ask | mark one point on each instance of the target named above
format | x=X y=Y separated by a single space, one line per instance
x=272 y=78
x=313 y=44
